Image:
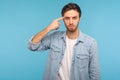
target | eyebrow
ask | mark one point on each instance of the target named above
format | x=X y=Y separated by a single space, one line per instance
x=69 y=17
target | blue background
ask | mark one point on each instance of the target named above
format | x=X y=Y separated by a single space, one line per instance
x=21 y=19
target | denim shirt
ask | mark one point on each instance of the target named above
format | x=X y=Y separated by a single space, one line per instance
x=84 y=65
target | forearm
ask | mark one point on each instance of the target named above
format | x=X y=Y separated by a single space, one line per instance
x=39 y=36
x=53 y=26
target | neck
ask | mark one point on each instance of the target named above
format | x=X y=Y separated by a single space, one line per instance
x=73 y=35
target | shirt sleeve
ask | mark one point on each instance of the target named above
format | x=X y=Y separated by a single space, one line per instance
x=43 y=45
x=94 y=69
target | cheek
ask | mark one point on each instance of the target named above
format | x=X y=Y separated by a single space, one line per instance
x=76 y=22
x=66 y=22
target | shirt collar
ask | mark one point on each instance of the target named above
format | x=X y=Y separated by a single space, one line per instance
x=80 y=37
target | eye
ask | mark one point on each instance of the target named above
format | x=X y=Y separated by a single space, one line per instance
x=74 y=18
x=66 y=18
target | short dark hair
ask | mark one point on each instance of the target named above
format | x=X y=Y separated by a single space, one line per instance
x=71 y=6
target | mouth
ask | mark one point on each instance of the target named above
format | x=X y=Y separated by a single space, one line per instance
x=70 y=26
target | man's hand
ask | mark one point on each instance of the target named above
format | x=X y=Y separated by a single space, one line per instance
x=55 y=24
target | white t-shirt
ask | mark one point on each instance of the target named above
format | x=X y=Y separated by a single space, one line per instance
x=64 y=71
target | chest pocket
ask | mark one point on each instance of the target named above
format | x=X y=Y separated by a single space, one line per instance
x=54 y=52
x=82 y=61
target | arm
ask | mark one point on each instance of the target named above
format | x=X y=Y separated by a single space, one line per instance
x=94 y=69
x=53 y=26
x=40 y=41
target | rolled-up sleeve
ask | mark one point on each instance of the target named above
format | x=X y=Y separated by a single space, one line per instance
x=94 y=68
x=43 y=45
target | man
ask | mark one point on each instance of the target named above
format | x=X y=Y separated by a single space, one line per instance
x=73 y=55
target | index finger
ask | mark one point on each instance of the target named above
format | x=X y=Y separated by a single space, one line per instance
x=60 y=19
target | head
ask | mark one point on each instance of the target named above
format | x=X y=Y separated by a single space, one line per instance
x=71 y=13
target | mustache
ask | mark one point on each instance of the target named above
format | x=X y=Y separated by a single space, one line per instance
x=71 y=25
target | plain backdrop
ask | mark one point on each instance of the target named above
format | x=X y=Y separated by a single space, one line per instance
x=21 y=19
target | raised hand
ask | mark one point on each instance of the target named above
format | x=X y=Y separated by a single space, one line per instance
x=55 y=24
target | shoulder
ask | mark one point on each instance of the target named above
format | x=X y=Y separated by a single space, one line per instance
x=88 y=40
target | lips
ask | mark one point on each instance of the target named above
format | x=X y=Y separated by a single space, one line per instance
x=71 y=26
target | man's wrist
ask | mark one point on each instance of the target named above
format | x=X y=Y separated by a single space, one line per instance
x=49 y=29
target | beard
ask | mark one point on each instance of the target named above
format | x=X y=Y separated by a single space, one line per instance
x=72 y=28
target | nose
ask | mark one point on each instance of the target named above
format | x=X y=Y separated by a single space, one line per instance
x=71 y=21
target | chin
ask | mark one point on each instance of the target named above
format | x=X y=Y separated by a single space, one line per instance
x=71 y=30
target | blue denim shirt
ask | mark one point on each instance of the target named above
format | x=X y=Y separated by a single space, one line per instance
x=85 y=64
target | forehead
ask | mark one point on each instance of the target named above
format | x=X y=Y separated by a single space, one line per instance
x=71 y=13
